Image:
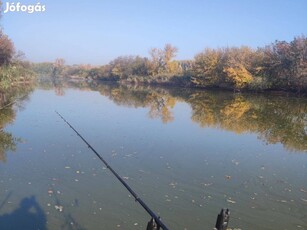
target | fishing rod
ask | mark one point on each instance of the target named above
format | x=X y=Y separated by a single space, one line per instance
x=155 y=222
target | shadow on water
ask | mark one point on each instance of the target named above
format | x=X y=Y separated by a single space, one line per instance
x=29 y=215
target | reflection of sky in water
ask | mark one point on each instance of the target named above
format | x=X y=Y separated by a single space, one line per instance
x=184 y=172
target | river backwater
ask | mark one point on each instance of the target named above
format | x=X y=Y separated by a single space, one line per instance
x=187 y=153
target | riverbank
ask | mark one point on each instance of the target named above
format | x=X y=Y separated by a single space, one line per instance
x=186 y=84
x=280 y=66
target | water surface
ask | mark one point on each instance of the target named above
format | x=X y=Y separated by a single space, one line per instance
x=187 y=153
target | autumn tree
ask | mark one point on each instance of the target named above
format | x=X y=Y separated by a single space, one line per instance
x=156 y=61
x=58 y=66
x=125 y=66
x=236 y=64
x=161 y=60
x=169 y=53
x=6 y=49
x=299 y=63
x=206 y=68
x=285 y=64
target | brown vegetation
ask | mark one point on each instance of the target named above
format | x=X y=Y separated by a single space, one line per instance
x=278 y=66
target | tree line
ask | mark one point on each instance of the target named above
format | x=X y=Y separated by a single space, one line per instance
x=13 y=66
x=279 y=66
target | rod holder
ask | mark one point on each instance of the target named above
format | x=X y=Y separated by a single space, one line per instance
x=152 y=225
x=222 y=220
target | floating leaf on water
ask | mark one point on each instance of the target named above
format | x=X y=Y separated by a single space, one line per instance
x=58 y=208
x=209 y=184
x=235 y=162
x=173 y=184
x=231 y=201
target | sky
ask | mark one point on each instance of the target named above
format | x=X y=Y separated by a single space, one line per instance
x=97 y=31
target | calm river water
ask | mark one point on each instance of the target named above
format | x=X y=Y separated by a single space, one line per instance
x=187 y=153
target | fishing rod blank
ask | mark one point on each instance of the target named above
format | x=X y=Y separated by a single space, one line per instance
x=155 y=222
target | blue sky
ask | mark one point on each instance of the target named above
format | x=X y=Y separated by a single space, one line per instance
x=97 y=31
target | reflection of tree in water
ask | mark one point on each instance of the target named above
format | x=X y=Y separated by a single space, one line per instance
x=12 y=98
x=7 y=142
x=275 y=119
x=58 y=86
x=29 y=215
x=160 y=102
x=160 y=107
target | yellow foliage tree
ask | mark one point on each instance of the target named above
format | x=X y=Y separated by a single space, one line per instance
x=173 y=67
x=205 y=67
x=238 y=75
